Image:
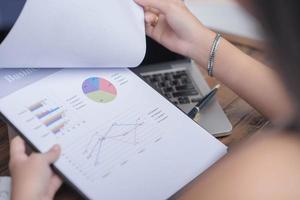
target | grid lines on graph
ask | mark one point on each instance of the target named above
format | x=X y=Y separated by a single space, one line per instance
x=113 y=144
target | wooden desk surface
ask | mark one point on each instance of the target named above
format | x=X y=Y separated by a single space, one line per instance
x=243 y=117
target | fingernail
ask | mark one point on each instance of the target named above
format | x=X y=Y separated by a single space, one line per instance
x=56 y=147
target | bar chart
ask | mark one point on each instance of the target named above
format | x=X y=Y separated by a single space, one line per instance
x=50 y=115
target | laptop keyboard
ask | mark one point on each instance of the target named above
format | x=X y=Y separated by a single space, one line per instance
x=177 y=86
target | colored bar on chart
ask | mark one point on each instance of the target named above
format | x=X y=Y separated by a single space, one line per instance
x=54 y=119
x=36 y=106
x=48 y=112
x=58 y=128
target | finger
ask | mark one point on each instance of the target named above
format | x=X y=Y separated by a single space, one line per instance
x=55 y=184
x=17 y=149
x=53 y=154
x=149 y=30
x=161 y=5
x=150 y=18
x=155 y=32
x=153 y=10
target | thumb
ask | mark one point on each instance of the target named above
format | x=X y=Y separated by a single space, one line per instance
x=17 y=149
x=53 y=154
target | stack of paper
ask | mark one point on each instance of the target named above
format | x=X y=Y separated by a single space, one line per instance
x=120 y=138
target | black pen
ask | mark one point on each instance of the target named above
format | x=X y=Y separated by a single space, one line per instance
x=203 y=102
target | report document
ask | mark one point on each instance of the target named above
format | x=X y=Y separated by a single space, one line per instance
x=120 y=139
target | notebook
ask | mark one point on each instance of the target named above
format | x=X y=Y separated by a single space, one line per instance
x=120 y=139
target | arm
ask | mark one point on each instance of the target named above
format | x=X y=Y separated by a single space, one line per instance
x=258 y=84
x=178 y=30
x=265 y=167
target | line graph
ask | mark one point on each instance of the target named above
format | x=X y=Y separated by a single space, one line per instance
x=113 y=143
x=125 y=133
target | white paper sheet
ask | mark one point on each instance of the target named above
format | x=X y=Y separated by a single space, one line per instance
x=76 y=33
x=5 y=183
x=120 y=138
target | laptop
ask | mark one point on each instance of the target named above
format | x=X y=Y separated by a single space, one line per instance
x=180 y=80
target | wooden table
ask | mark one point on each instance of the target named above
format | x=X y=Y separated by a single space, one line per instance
x=245 y=120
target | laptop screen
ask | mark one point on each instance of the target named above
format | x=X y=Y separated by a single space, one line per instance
x=156 y=53
x=9 y=12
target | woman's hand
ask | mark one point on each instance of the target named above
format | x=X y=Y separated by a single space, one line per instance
x=170 y=23
x=32 y=176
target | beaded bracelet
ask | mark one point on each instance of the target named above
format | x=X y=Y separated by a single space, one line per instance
x=212 y=56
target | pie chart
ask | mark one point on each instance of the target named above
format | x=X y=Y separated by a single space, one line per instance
x=99 y=90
